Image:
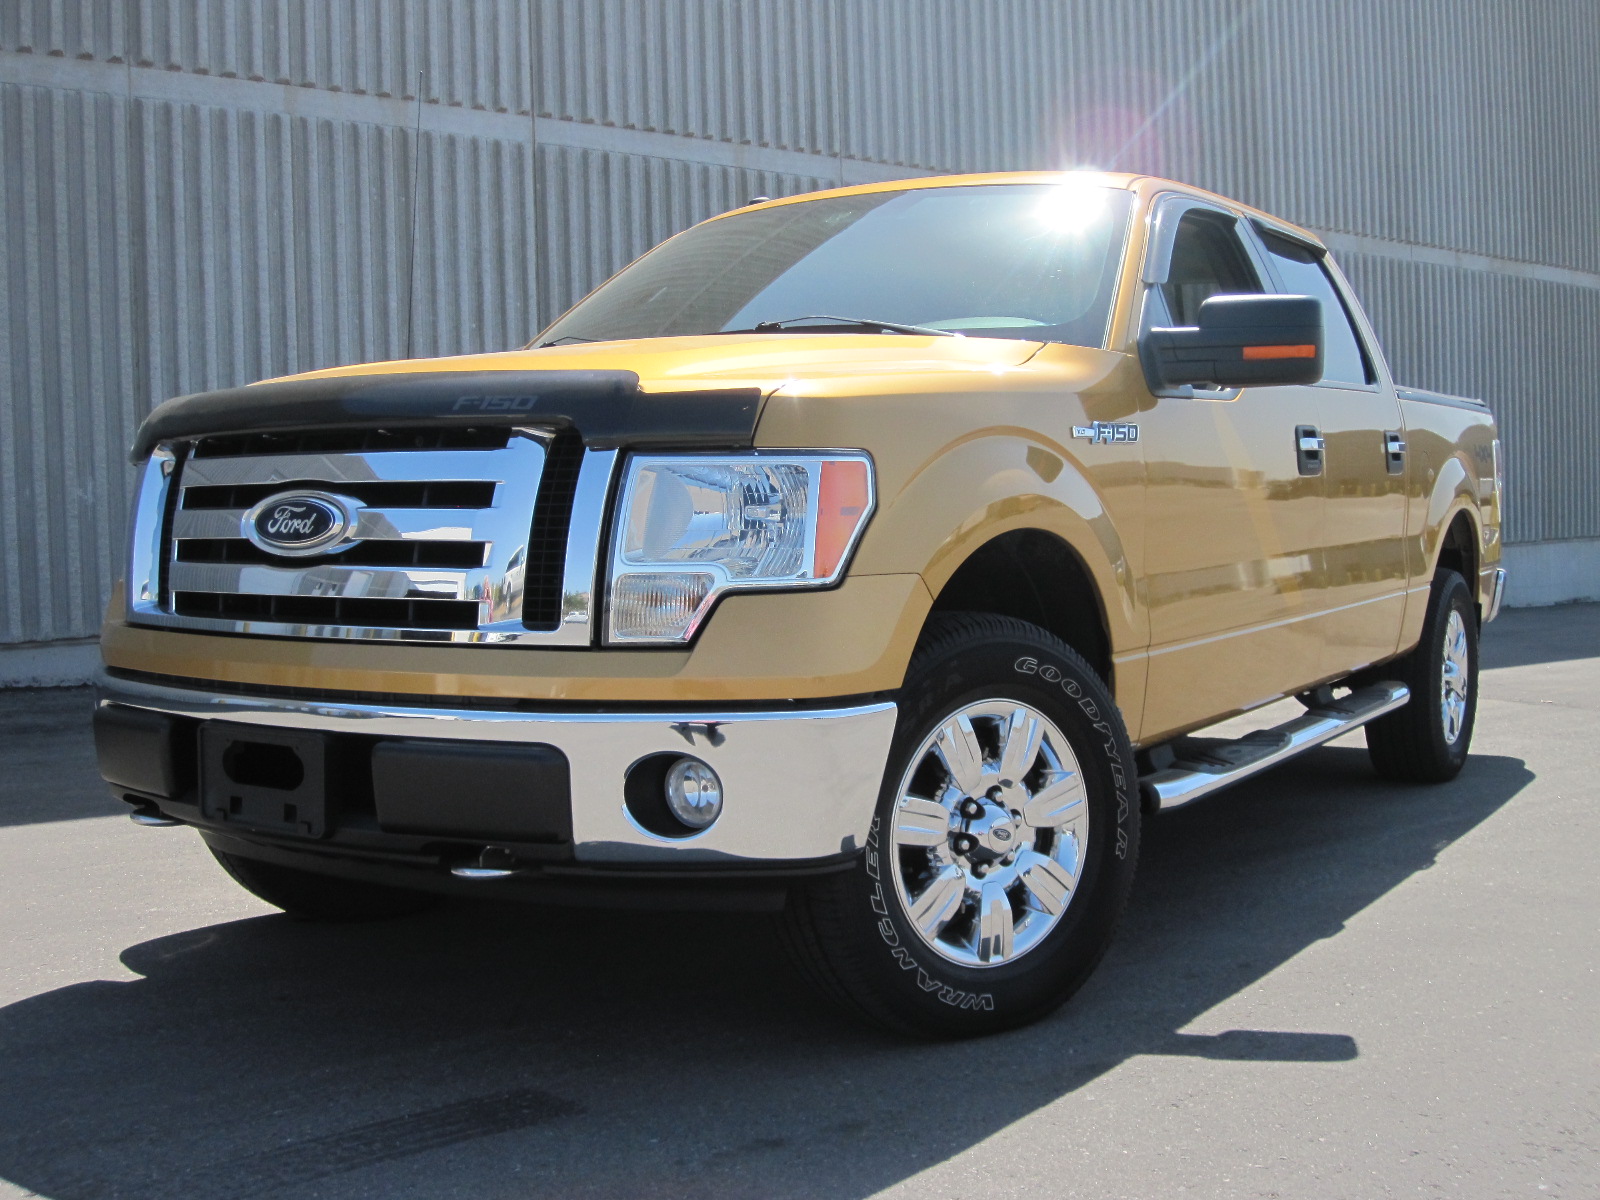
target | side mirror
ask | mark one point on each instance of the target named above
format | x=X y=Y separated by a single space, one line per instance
x=1241 y=341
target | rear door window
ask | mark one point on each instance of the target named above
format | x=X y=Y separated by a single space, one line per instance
x=1301 y=272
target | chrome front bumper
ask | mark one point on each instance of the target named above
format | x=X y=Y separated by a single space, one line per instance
x=1497 y=593
x=798 y=784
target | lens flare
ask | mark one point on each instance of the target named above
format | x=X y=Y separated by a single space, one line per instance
x=1071 y=208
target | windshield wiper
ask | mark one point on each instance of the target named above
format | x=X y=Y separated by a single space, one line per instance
x=568 y=338
x=849 y=322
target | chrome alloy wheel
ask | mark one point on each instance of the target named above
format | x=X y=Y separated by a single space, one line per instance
x=990 y=828
x=1456 y=684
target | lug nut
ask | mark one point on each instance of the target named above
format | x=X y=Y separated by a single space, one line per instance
x=980 y=870
x=971 y=809
x=964 y=843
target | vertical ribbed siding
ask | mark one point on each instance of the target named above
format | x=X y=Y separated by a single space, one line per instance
x=758 y=73
x=68 y=353
x=1530 y=346
x=227 y=193
x=1418 y=123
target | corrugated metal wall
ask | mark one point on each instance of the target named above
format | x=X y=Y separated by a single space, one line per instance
x=203 y=192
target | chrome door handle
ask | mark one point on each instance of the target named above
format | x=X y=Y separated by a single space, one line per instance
x=1394 y=452
x=1309 y=448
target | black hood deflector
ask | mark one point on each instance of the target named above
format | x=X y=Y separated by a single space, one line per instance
x=605 y=407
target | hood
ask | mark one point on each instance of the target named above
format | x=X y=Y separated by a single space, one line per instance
x=738 y=360
x=660 y=392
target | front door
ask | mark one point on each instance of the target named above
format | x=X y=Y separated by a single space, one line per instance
x=1235 y=521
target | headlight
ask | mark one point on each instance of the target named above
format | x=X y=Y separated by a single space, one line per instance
x=689 y=528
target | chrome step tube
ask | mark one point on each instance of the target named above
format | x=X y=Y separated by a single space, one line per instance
x=1185 y=782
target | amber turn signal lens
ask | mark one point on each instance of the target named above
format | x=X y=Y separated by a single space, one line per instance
x=1257 y=353
x=841 y=502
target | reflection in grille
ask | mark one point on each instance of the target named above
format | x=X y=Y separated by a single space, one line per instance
x=362 y=554
x=444 y=538
x=329 y=610
x=351 y=441
x=427 y=493
x=547 y=544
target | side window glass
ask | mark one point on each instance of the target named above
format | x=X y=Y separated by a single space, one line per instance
x=1207 y=260
x=1303 y=274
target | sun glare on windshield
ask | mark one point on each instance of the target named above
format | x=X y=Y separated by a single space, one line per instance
x=1072 y=208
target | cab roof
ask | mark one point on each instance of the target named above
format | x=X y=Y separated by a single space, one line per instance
x=1144 y=186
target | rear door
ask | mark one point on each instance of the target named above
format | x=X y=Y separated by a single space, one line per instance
x=1364 y=464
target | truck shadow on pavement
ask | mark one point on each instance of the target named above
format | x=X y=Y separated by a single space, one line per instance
x=488 y=1050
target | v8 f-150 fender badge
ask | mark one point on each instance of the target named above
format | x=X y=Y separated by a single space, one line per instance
x=1107 y=431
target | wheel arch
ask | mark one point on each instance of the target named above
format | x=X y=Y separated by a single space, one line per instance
x=1036 y=576
x=1453 y=535
x=1458 y=548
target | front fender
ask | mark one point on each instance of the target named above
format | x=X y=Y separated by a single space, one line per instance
x=993 y=483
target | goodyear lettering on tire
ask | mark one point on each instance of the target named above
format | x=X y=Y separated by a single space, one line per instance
x=1049 y=673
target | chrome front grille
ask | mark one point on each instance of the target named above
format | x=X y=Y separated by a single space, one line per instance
x=460 y=535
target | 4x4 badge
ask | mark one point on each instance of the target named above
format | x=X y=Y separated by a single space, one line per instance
x=1107 y=431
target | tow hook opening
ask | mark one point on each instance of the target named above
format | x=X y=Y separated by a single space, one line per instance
x=145 y=813
x=264 y=764
x=492 y=862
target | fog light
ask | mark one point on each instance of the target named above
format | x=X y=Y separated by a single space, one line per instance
x=694 y=793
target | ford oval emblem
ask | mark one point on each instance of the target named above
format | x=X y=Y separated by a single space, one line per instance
x=298 y=524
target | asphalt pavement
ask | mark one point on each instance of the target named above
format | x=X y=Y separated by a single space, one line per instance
x=1325 y=987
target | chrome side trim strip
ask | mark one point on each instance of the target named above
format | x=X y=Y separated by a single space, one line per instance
x=1184 y=783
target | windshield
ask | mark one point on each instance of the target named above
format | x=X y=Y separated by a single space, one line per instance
x=1036 y=262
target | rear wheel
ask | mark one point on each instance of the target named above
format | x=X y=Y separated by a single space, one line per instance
x=1427 y=740
x=308 y=896
x=1003 y=847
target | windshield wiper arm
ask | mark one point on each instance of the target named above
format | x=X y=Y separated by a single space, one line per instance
x=855 y=323
x=568 y=338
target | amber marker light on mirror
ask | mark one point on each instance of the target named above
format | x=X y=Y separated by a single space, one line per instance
x=1260 y=353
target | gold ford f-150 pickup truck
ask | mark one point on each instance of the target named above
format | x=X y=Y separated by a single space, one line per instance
x=871 y=555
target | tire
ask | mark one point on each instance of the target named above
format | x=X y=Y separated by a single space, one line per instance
x=1427 y=740
x=996 y=956
x=309 y=896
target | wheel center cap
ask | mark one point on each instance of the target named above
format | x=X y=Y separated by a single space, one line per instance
x=998 y=833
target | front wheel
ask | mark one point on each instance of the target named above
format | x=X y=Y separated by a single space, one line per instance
x=1003 y=845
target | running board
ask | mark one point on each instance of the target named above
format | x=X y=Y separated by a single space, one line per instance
x=1201 y=766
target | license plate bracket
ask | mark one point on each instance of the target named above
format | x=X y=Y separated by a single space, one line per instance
x=265 y=779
